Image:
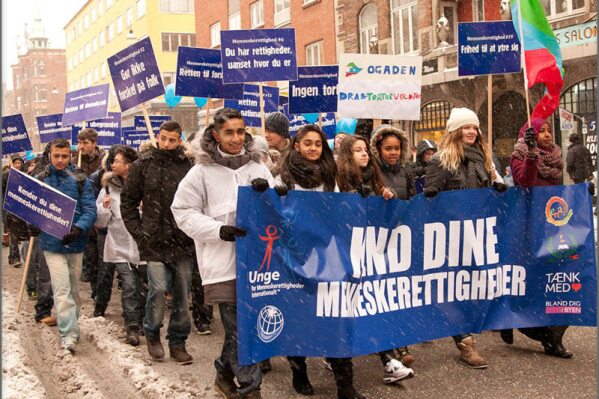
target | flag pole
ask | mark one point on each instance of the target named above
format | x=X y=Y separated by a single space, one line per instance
x=523 y=61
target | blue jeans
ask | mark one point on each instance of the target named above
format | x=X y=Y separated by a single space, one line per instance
x=131 y=298
x=163 y=277
x=65 y=270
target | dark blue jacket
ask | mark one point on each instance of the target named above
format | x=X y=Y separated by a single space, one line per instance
x=66 y=181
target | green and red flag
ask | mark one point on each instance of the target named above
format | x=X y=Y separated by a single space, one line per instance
x=542 y=54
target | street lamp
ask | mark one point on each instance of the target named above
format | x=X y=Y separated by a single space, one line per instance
x=54 y=90
x=374 y=45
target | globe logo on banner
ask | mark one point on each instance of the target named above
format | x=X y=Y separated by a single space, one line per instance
x=270 y=323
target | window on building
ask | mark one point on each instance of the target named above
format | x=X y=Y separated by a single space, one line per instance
x=88 y=50
x=562 y=8
x=79 y=28
x=369 y=28
x=39 y=68
x=282 y=12
x=17 y=81
x=93 y=13
x=129 y=17
x=40 y=112
x=103 y=70
x=141 y=8
x=82 y=82
x=96 y=74
x=86 y=21
x=450 y=11
x=168 y=78
x=19 y=102
x=110 y=32
x=234 y=15
x=108 y=4
x=257 y=14
x=478 y=10
x=89 y=78
x=172 y=41
x=433 y=119
x=75 y=60
x=100 y=7
x=177 y=6
x=81 y=54
x=25 y=73
x=94 y=44
x=215 y=35
x=314 y=53
x=404 y=26
x=26 y=98
x=69 y=64
x=119 y=24
x=39 y=93
x=73 y=33
x=102 y=38
x=308 y=2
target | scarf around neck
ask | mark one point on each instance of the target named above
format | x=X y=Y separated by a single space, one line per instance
x=305 y=173
x=549 y=160
x=476 y=174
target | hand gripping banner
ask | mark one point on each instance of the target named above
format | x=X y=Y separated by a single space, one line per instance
x=333 y=274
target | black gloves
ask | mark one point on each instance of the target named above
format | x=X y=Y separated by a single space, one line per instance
x=431 y=194
x=260 y=185
x=592 y=188
x=364 y=190
x=33 y=231
x=500 y=187
x=282 y=190
x=72 y=236
x=529 y=138
x=229 y=233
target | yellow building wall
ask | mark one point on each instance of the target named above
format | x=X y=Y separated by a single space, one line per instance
x=152 y=24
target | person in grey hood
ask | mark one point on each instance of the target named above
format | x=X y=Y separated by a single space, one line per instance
x=425 y=149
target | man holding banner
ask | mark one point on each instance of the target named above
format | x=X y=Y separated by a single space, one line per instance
x=65 y=256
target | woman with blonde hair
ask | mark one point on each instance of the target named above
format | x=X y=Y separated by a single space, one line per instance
x=462 y=162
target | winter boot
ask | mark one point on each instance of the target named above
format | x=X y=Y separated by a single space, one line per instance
x=469 y=355
x=155 y=348
x=300 y=380
x=344 y=377
x=557 y=350
x=252 y=395
x=99 y=310
x=405 y=357
x=132 y=335
x=225 y=387
x=180 y=354
x=507 y=336
x=265 y=366
x=396 y=371
x=349 y=392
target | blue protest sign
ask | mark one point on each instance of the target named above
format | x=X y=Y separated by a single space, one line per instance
x=109 y=129
x=329 y=123
x=14 y=135
x=50 y=127
x=250 y=105
x=39 y=204
x=258 y=55
x=131 y=138
x=134 y=139
x=135 y=74
x=283 y=100
x=85 y=104
x=315 y=90
x=307 y=264
x=487 y=48
x=200 y=74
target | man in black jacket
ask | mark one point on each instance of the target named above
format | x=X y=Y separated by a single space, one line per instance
x=579 y=162
x=152 y=183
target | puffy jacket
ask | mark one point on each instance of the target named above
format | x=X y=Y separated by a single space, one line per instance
x=120 y=246
x=76 y=186
x=579 y=162
x=152 y=183
x=440 y=179
x=206 y=200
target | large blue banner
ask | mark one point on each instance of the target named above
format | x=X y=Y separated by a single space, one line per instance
x=50 y=127
x=200 y=74
x=250 y=105
x=39 y=204
x=487 y=48
x=85 y=104
x=135 y=74
x=258 y=55
x=333 y=274
x=315 y=90
x=14 y=135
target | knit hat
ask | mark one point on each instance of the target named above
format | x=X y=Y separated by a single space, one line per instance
x=15 y=157
x=537 y=124
x=461 y=117
x=277 y=123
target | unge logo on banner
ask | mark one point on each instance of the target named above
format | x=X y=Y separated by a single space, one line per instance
x=557 y=211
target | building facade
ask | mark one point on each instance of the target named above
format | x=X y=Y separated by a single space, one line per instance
x=101 y=28
x=39 y=79
x=429 y=28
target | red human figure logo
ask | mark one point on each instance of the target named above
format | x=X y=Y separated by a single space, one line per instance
x=271 y=236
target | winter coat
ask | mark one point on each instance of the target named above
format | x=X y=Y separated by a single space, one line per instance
x=152 y=183
x=418 y=168
x=91 y=163
x=75 y=185
x=319 y=189
x=397 y=177
x=13 y=224
x=579 y=162
x=120 y=246
x=206 y=200
x=440 y=179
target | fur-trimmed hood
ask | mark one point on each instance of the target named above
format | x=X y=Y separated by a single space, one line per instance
x=378 y=134
x=110 y=178
x=203 y=148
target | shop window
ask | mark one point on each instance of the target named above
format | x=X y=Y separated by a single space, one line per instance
x=562 y=8
x=433 y=118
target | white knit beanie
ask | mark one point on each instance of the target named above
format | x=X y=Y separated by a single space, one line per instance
x=461 y=117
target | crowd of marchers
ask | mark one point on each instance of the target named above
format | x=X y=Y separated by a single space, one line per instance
x=163 y=219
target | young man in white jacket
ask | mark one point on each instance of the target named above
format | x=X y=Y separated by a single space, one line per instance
x=120 y=251
x=204 y=208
